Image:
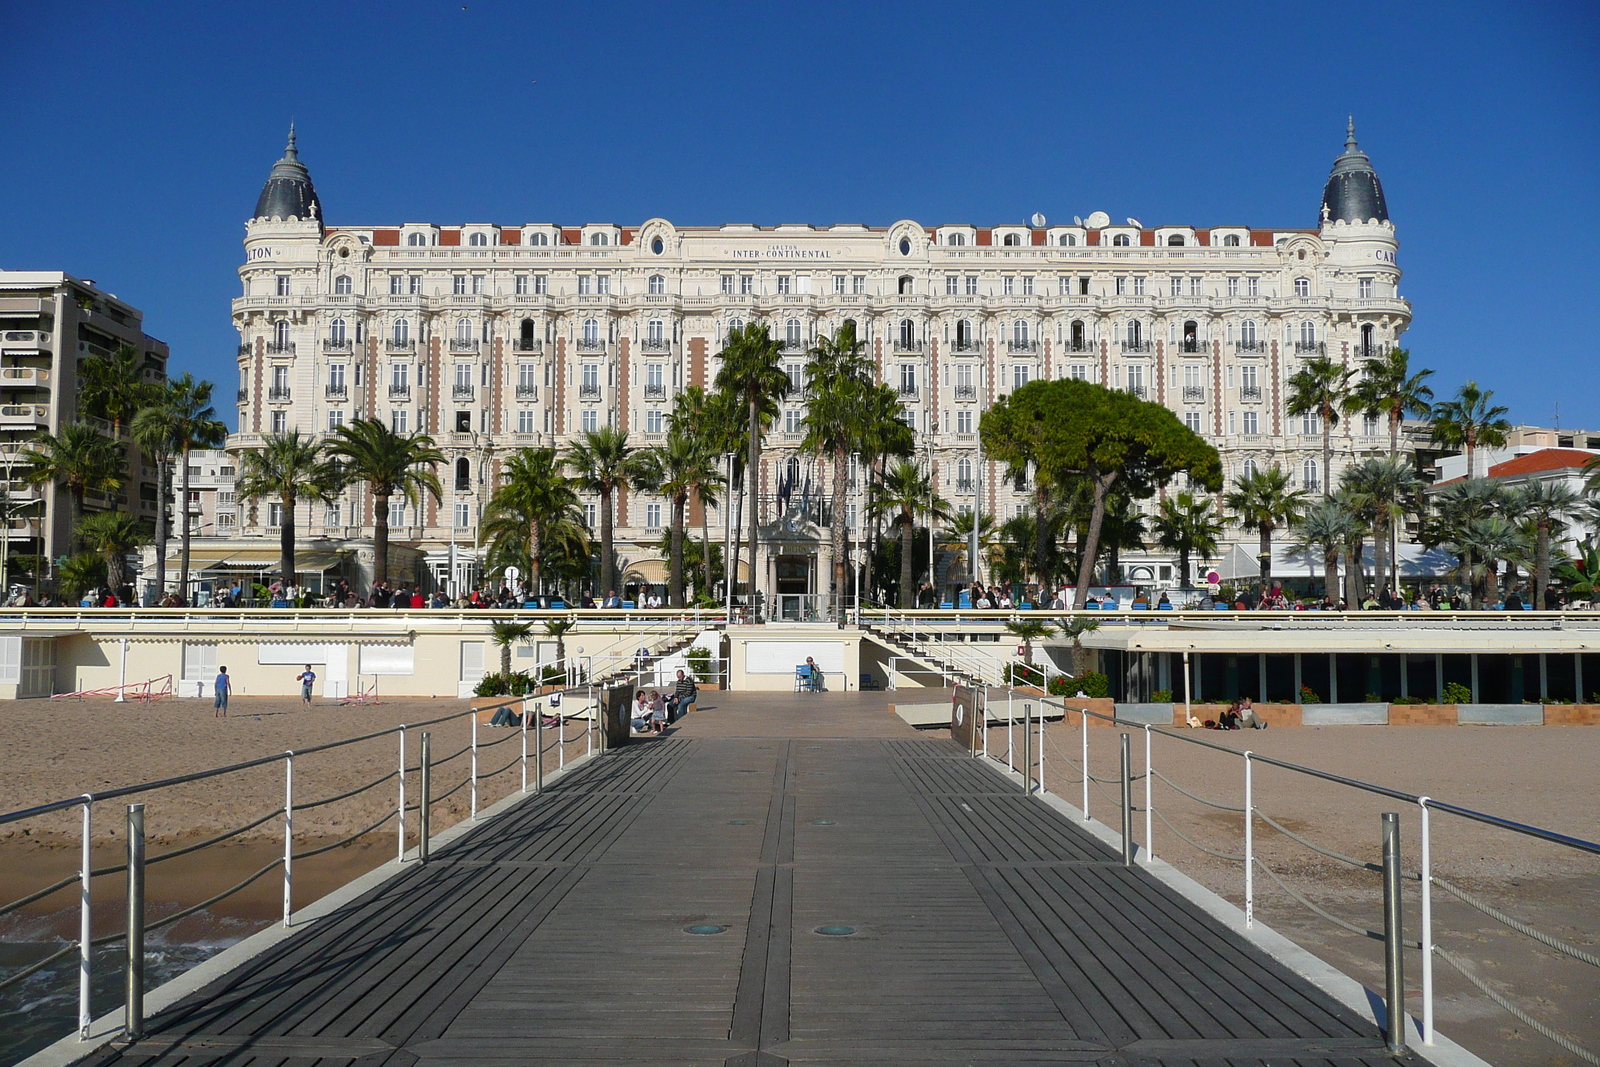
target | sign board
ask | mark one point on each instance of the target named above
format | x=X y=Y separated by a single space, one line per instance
x=512 y=574
x=965 y=727
x=616 y=716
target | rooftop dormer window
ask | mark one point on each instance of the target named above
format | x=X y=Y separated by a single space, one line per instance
x=1011 y=240
x=1120 y=240
x=599 y=240
x=478 y=240
x=416 y=240
x=1231 y=241
x=540 y=239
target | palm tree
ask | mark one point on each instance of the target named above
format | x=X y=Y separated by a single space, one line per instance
x=1355 y=575
x=112 y=535
x=367 y=450
x=1480 y=547
x=958 y=540
x=695 y=416
x=1074 y=630
x=1389 y=388
x=196 y=424
x=752 y=370
x=113 y=388
x=672 y=469
x=506 y=633
x=1326 y=525
x=1459 y=510
x=1470 y=421
x=289 y=467
x=1541 y=504
x=534 y=509
x=77 y=574
x=905 y=491
x=1263 y=500
x=1382 y=491
x=79 y=457
x=558 y=629
x=1187 y=525
x=838 y=374
x=1029 y=631
x=155 y=430
x=1581 y=573
x=602 y=462
x=1319 y=388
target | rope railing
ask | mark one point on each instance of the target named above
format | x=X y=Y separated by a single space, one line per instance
x=319 y=850
x=1551 y=1034
x=1548 y=940
x=357 y=791
x=1197 y=798
x=1330 y=853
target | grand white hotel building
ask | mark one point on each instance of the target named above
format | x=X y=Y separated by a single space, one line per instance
x=496 y=337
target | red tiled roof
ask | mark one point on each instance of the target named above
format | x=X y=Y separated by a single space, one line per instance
x=1546 y=459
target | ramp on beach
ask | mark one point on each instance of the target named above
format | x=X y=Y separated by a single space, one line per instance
x=805 y=880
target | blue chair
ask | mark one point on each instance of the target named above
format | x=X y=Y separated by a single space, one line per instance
x=1140 y=607
x=806 y=680
x=1164 y=607
x=947 y=605
x=1222 y=607
x=558 y=603
x=629 y=604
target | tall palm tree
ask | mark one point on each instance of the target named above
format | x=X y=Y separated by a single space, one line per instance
x=1382 y=491
x=1355 y=575
x=288 y=468
x=905 y=491
x=958 y=540
x=884 y=437
x=1074 y=630
x=1029 y=631
x=391 y=464
x=838 y=374
x=1542 y=505
x=112 y=387
x=695 y=416
x=1458 y=508
x=1319 y=388
x=1189 y=526
x=672 y=469
x=534 y=509
x=602 y=462
x=1389 y=388
x=1263 y=500
x=505 y=633
x=1326 y=525
x=1480 y=547
x=197 y=425
x=79 y=457
x=1469 y=421
x=155 y=430
x=752 y=369
x=112 y=535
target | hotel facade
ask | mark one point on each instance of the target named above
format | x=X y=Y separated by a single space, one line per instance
x=495 y=337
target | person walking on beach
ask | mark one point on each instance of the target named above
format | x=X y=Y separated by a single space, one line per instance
x=223 y=686
x=305 y=679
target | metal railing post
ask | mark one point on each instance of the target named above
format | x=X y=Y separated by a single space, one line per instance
x=473 y=772
x=1249 y=845
x=1393 y=946
x=985 y=728
x=1011 y=720
x=1027 y=749
x=1427 y=922
x=591 y=725
x=524 y=725
x=425 y=800
x=538 y=744
x=1127 y=801
x=288 y=836
x=1025 y=707
x=1083 y=719
x=1149 y=800
x=133 y=985
x=85 y=1016
x=401 y=834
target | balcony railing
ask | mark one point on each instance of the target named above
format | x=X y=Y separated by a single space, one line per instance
x=401 y=344
x=793 y=344
x=244 y=394
x=655 y=392
x=1258 y=347
x=656 y=344
x=964 y=485
x=526 y=344
x=463 y=485
x=588 y=392
x=908 y=389
x=1078 y=346
x=335 y=392
x=1137 y=390
x=965 y=392
x=247 y=349
x=1305 y=348
x=341 y=344
x=1194 y=392
x=398 y=391
x=31 y=338
x=1136 y=346
x=527 y=392
x=459 y=345
x=1015 y=346
x=587 y=345
x=1249 y=392
x=1193 y=347
x=968 y=344
x=24 y=376
x=279 y=393
x=907 y=344
x=461 y=392
x=276 y=349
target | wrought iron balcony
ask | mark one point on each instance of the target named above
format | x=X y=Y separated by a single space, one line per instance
x=1249 y=392
x=908 y=390
x=967 y=344
x=965 y=392
x=526 y=344
x=588 y=392
x=1078 y=346
x=463 y=485
x=1016 y=346
x=341 y=344
x=244 y=394
x=1137 y=390
x=247 y=349
x=1136 y=346
x=655 y=392
x=1193 y=347
x=964 y=485
x=397 y=391
x=1194 y=392
x=285 y=349
x=527 y=392
x=793 y=344
x=401 y=344
x=461 y=392
x=1304 y=348
x=655 y=344
x=459 y=345
x=1250 y=346
x=589 y=345
x=907 y=344
x=279 y=393
x=334 y=392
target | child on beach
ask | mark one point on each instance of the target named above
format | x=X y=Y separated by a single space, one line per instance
x=223 y=686
x=305 y=678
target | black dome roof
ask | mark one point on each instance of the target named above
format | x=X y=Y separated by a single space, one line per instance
x=289 y=190
x=1353 y=192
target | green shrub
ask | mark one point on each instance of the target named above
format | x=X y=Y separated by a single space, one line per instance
x=1408 y=700
x=491 y=685
x=1308 y=695
x=1227 y=594
x=1456 y=693
x=1374 y=698
x=1095 y=685
x=699 y=660
x=1026 y=674
x=1161 y=696
x=1063 y=686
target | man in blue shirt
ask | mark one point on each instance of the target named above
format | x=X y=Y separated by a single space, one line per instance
x=306 y=678
x=223 y=686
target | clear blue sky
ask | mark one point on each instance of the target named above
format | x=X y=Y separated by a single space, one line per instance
x=138 y=136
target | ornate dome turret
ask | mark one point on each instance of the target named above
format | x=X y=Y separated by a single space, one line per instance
x=289 y=191
x=1353 y=192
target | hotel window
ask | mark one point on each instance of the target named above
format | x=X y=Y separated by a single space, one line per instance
x=964 y=475
x=783 y=285
x=1177 y=286
x=1194 y=375
x=1007 y=285
x=1308 y=332
x=1247 y=332
x=274 y=514
x=796 y=375
x=747 y=284
x=331 y=514
x=858 y=284
x=1120 y=240
x=591 y=376
x=791 y=334
x=1251 y=422
x=1248 y=468
x=1020 y=373
x=335 y=420
x=1230 y=423
x=1138 y=285
x=280 y=379
x=602 y=284
x=463 y=514
x=658 y=285
x=599 y=240
x=652 y=516
x=1078 y=372
x=1252 y=286
x=341 y=285
x=591 y=331
x=653 y=421
x=1309 y=475
x=1364 y=288
x=1120 y=286
x=591 y=515
x=838 y=284
x=1027 y=285
x=541 y=284
x=224 y=520
x=1067 y=240
x=1231 y=241
x=463 y=376
x=972 y=285
x=585 y=284
x=963 y=420
x=1019 y=334
x=952 y=285
x=792 y=418
x=397 y=513
x=527 y=375
x=590 y=421
x=400 y=420
x=478 y=282
x=397 y=284
x=850 y=516
x=1194 y=286
x=1311 y=424
x=654 y=376
x=336 y=332
x=1011 y=240
x=477 y=240
x=416 y=240
x=1247 y=377
x=458 y=285
x=908 y=379
x=1233 y=286
x=1302 y=287
x=399 y=375
x=280 y=334
x=280 y=421
x=1191 y=419
x=527 y=421
x=1369 y=425
x=464 y=331
x=283 y=285
x=964 y=381
x=522 y=285
x=956 y=240
x=1136 y=378
x=540 y=239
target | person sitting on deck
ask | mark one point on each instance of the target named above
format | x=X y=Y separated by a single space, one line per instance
x=810 y=675
x=641 y=711
x=1248 y=719
x=1229 y=720
x=686 y=692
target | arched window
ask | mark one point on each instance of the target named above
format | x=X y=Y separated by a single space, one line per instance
x=1176 y=240
x=525 y=333
x=791 y=471
x=1019 y=333
x=540 y=239
x=905 y=285
x=1309 y=475
x=280 y=334
x=591 y=331
x=853 y=327
x=1191 y=336
x=964 y=474
x=908 y=333
x=1068 y=240
x=658 y=284
x=1011 y=239
x=1078 y=340
x=735 y=325
x=655 y=332
x=463 y=330
x=965 y=338
x=402 y=331
x=956 y=240
x=1308 y=332
x=1231 y=241
x=478 y=240
x=1249 y=469
x=791 y=333
x=1302 y=287
x=416 y=239
x=463 y=473
x=336 y=331
x=1247 y=332
x=599 y=239
x=1368 y=350
x=1135 y=334
x=341 y=285
x=1120 y=240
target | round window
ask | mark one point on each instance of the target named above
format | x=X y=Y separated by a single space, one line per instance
x=905 y=246
x=344 y=253
x=658 y=246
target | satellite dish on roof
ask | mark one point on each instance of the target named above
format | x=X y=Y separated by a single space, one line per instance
x=1136 y=223
x=1098 y=220
x=1038 y=220
x=1076 y=221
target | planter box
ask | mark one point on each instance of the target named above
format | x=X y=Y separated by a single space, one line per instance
x=1145 y=714
x=1572 y=714
x=1500 y=714
x=1099 y=705
x=1344 y=715
x=1422 y=714
x=1271 y=714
